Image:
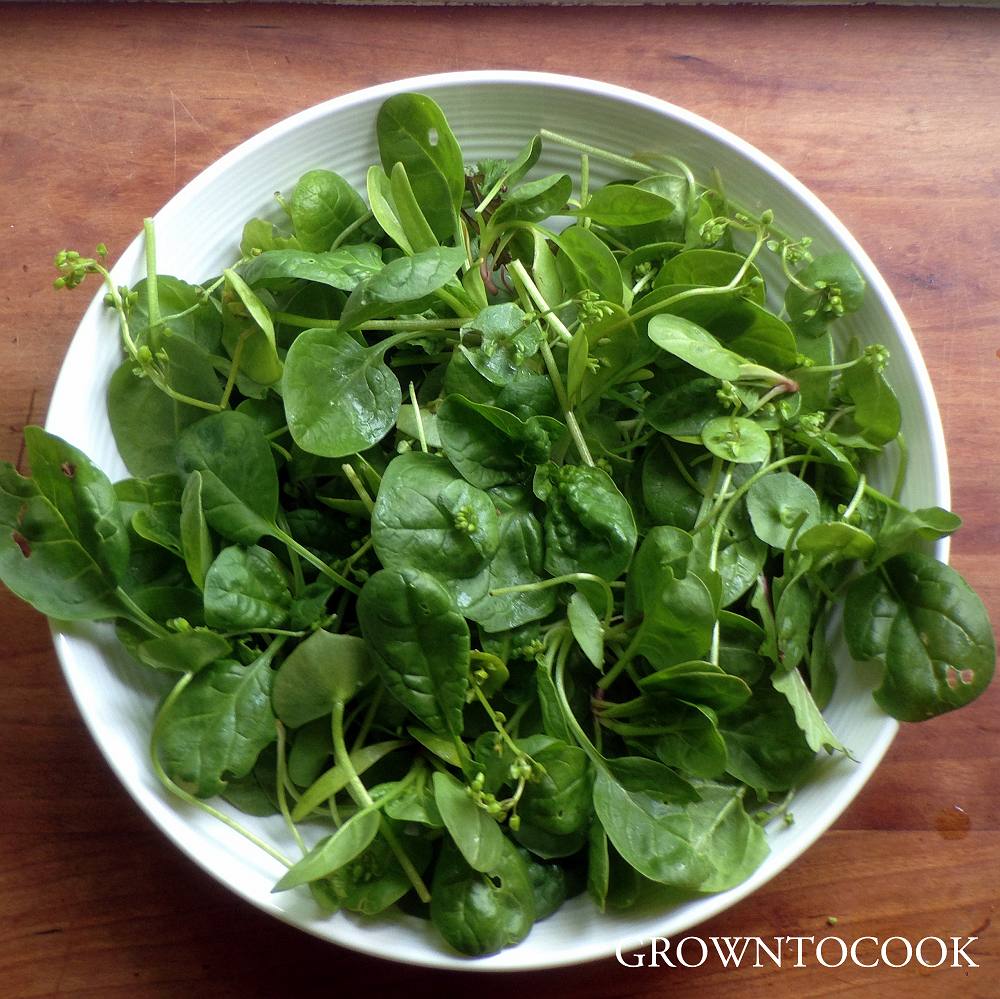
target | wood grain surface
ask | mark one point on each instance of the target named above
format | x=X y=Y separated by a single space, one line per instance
x=890 y=116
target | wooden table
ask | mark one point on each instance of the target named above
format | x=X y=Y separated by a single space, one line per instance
x=890 y=116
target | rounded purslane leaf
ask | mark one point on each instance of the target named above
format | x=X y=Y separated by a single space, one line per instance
x=779 y=505
x=735 y=438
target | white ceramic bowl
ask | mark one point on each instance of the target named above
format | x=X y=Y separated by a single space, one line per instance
x=493 y=114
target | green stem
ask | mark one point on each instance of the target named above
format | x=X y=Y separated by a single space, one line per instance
x=314 y=561
x=562 y=653
x=574 y=428
x=280 y=788
x=264 y=631
x=708 y=495
x=570 y=577
x=557 y=325
x=631 y=651
x=497 y=723
x=822 y=369
x=421 y=436
x=310 y=322
x=882 y=498
x=855 y=499
x=358 y=486
x=152 y=288
x=369 y=718
x=681 y=467
x=186 y=796
x=360 y=794
x=234 y=367
x=351 y=229
x=599 y=154
x=585 y=185
x=139 y=616
x=904 y=461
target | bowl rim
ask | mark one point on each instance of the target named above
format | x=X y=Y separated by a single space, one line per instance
x=850 y=787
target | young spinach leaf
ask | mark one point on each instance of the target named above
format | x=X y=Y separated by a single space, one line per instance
x=340 y=397
x=419 y=643
x=218 y=725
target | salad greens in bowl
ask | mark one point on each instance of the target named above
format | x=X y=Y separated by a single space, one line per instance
x=516 y=537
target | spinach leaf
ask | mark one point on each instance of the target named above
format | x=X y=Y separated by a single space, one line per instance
x=818 y=734
x=419 y=643
x=931 y=631
x=196 y=542
x=45 y=556
x=340 y=397
x=480 y=914
x=146 y=422
x=586 y=628
x=332 y=852
x=248 y=332
x=245 y=589
x=184 y=652
x=401 y=286
x=239 y=483
x=376 y=879
x=322 y=206
x=589 y=525
x=82 y=495
x=491 y=447
x=534 y=200
x=624 y=205
x=593 y=260
x=696 y=346
x=428 y=517
x=475 y=832
x=342 y=268
x=321 y=671
x=413 y=130
x=654 y=837
x=518 y=562
x=218 y=725
x=765 y=746
x=558 y=802
x=677 y=608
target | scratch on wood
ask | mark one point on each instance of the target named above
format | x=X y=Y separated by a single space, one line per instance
x=256 y=78
x=982 y=927
x=173 y=112
x=178 y=101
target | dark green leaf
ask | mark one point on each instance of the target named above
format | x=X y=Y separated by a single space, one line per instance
x=420 y=645
x=476 y=833
x=239 y=481
x=322 y=206
x=246 y=588
x=332 y=852
x=340 y=397
x=480 y=914
x=218 y=725
x=324 y=670
x=401 y=285
x=342 y=268
x=413 y=130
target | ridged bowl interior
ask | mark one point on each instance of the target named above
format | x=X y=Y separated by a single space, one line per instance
x=493 y=114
